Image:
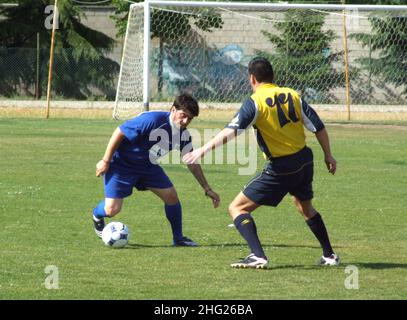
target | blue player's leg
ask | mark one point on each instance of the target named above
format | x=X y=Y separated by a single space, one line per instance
x=118 y=185
x=317 y=226
x=173 y=211
x=240 y=210
x=107 y=208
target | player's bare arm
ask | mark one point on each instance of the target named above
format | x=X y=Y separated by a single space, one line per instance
x=221 y=138
x=323 y=139
x=103 y=165
x=197 y=172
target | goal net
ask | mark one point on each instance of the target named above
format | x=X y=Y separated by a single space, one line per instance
x=333 y=55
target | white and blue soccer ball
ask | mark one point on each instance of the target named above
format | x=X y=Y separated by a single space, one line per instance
x=116 y=235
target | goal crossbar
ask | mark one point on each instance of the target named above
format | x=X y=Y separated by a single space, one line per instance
x=282 y=6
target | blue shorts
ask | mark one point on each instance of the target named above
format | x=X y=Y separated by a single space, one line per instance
x=291 y=174
x=119 y=183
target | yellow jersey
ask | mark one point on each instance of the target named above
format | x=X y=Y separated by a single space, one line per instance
x=278 y=115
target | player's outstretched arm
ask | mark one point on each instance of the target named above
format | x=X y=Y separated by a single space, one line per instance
x=103 y=165
x=197 y=172
x=221 y=138
x=323 y=139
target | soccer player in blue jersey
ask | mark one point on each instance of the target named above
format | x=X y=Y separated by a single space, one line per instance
x=278 y=115
x=130 y=161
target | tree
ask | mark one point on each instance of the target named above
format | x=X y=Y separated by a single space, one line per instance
x=389 y=40
x=302 y=55
x=80 y=62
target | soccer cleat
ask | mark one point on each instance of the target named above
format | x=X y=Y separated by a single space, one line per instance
x=332 y=260
x=184 y=242
x=98 y=226
x=251 y=261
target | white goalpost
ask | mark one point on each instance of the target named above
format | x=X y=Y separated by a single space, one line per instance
x=203 y=48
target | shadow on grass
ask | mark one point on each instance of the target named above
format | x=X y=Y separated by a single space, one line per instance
x=296 y=266
x=343 y=265
x=378 y=265
x=223 y=245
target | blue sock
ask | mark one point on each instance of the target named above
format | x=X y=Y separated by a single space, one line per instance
x=99 y=211
x=174 y=216
x=245 y=225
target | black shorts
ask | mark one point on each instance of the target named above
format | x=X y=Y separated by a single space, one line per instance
x=290 y=174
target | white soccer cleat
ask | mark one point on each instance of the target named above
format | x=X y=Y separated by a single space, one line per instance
x=332 y=260
x=251 y=261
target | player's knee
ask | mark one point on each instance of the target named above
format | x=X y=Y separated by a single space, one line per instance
x=309 y=213
x=305 y=208
x=111 y=211
x=297 y=204
x=299 y=209
x=233 y=210
x=171 y=198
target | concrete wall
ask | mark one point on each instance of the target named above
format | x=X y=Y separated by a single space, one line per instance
x=98 y=18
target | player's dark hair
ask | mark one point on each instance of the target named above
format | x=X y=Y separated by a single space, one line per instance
x=262 y=69
x=185 y=102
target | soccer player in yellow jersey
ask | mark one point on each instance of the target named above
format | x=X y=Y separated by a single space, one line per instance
x=279 y=116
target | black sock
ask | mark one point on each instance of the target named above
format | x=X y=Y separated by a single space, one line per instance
x=247 y=228
x=317 y=226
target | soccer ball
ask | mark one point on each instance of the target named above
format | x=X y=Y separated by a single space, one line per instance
x=115 y=235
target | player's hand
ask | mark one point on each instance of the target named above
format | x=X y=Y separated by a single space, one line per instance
x=101 y=168
x=330 y=164
x=214 y=196
x=193 y=156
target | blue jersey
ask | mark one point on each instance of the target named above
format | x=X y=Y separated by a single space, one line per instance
x=148 y=137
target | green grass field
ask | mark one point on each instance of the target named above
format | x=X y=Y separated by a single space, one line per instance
x=48 y=189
